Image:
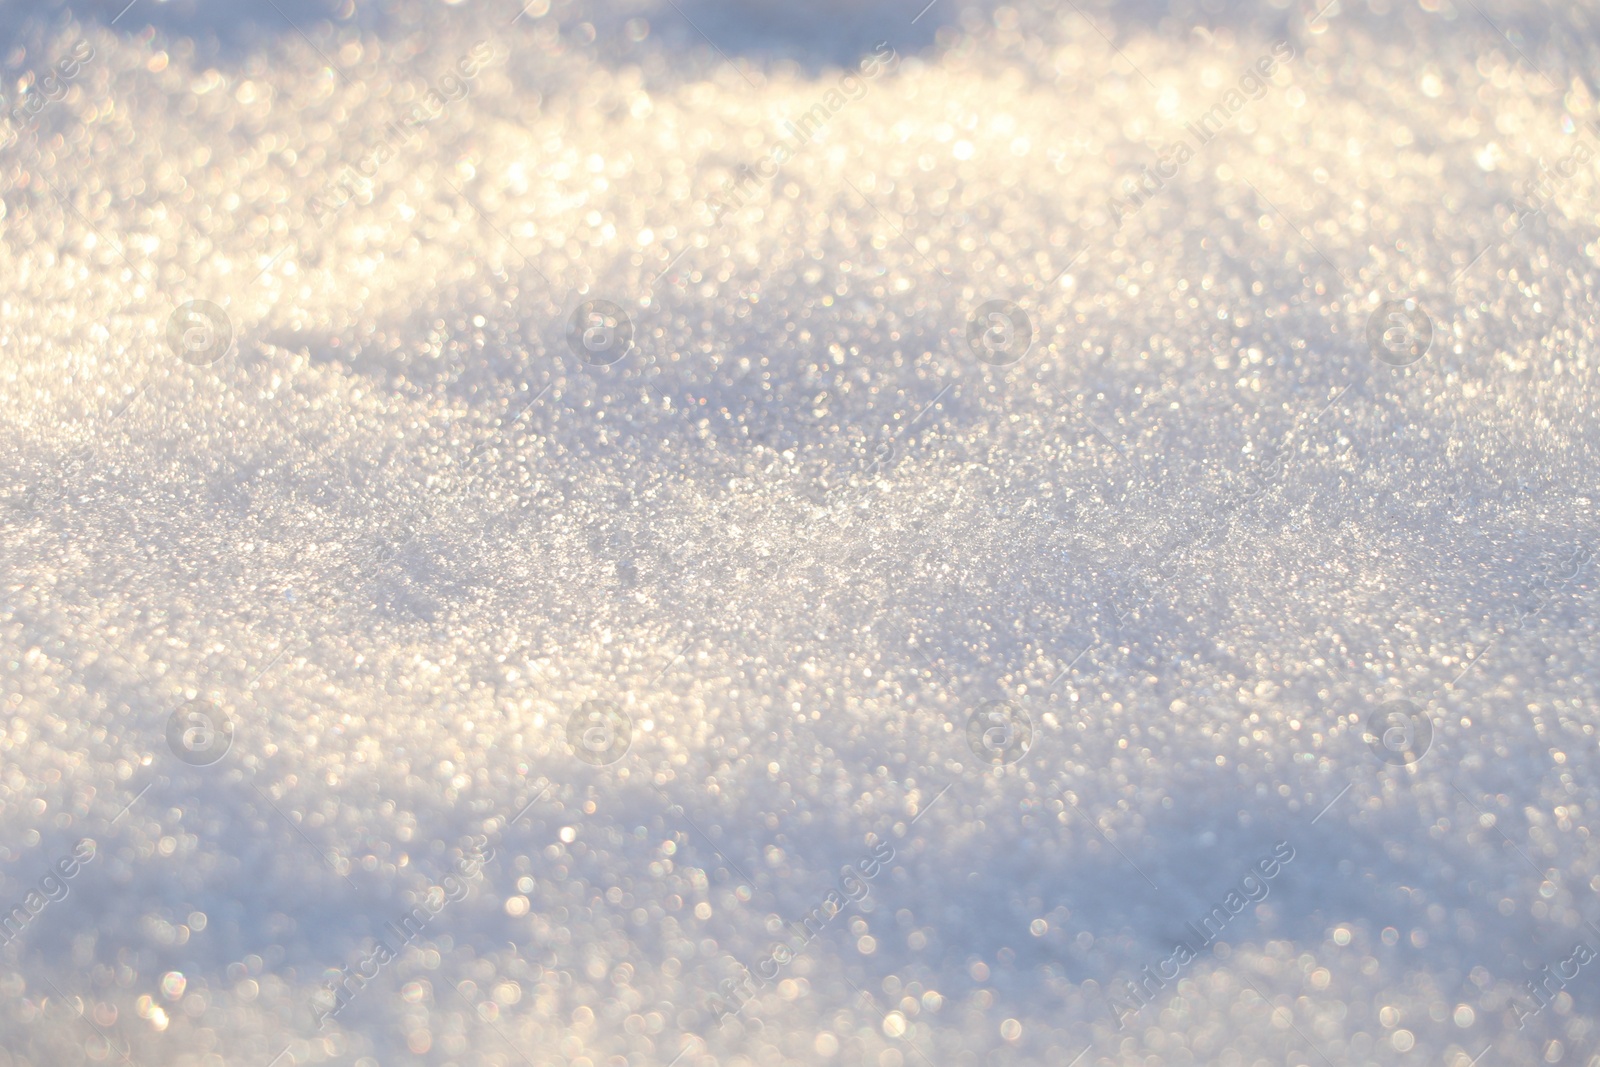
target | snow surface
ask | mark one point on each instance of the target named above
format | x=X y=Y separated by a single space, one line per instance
x=602 y=665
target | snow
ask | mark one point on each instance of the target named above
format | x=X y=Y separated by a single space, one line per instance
x=870 y=607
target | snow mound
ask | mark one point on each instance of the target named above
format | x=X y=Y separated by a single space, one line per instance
x=709 y=533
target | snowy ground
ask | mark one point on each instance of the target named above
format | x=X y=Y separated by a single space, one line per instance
x=948 y=584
